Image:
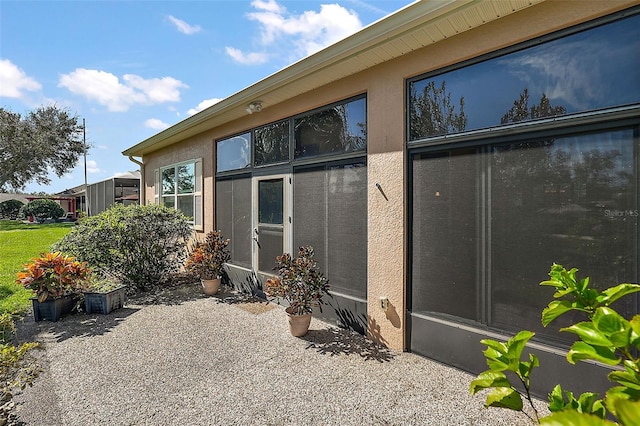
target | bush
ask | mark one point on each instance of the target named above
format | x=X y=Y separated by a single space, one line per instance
x=139 y=245
x=605 y=337
x=42 y=209
x=10 y=209
x=17 y=367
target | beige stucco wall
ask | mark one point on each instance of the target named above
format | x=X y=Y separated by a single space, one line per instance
x=384 y=85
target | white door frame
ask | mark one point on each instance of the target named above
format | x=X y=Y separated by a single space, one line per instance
x=287 y=215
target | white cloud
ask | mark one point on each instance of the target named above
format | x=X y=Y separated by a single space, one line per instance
x=92 y=167
x=252 y=58
x=103 y=147
x=184 y=27
x=107 y=89
x=304 y=34
x=154 y=123
x=203 y=105
x=14 y=81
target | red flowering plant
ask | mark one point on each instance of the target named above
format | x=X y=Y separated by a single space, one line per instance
x=208 y=257
x=54 y=275
x=299 y=282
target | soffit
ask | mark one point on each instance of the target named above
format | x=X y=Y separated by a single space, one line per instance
x=415 y=26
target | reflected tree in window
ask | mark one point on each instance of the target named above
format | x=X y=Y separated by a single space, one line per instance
x=520 y=110
x=271 y=143
x=319 y=133
x=186 y=178
x=432 y=113
x=168 y=181
x=341 y=128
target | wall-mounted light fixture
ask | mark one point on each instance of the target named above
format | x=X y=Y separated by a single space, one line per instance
x=255 y=106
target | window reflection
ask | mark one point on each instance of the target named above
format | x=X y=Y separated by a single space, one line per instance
x=271 y=143
x=589 y=70
x=233 y=153
x=270 y=202
x=341 y=128
x=186 y=178
x=168 y=181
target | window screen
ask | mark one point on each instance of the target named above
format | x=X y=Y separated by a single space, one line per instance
x=233 y=217
x=330 y=214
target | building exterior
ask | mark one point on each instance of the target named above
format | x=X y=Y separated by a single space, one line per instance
x=77 y=204
x=439 y=160
x=121 y=189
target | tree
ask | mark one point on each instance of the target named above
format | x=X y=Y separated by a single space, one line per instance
x=520 y=110
x=432 y=112
x=47 y=139
x=10 y=209
x=43 y=209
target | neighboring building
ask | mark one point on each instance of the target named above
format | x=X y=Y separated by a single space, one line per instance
x=20 y=197
x=123 y=188
x=442 y=158
x=77 y=200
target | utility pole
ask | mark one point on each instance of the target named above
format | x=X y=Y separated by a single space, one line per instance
x=86 y=193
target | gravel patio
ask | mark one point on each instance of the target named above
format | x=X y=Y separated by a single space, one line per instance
x=180 y=358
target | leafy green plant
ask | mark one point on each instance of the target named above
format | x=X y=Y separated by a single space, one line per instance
x=208 y=257
x=17 y=368
x=10 y=209
x=42 y=209
x=139 y=245
x=605 y=337
x=299 y=281
x=54 y=275
x=99 y=283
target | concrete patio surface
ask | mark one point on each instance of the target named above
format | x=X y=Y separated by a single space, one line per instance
x=186 y=359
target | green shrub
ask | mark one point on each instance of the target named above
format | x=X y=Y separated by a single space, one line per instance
x=606 y=337
x=139 y=245
x=17 y=367
x=42 y=209
x=10 y=209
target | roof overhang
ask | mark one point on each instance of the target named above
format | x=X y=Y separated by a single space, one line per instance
x=417 y=25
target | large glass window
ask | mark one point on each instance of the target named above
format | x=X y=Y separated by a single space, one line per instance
x=178 y=183
x=180 y=188
x=337 y=129
x=593 y=69
x=270 y=201
x=489 y=223
x=233 y=153
x=271 y=144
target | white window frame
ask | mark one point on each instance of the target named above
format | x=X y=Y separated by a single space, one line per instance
x=197 y=191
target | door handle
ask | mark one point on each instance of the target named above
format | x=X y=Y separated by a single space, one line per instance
x=257 y=242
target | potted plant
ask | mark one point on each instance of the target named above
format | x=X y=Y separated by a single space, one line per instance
x=301 y=284
x=103 y=295
x=207 y=259
x=56 y=280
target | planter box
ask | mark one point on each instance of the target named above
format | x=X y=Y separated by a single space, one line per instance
x=103 y=303
x=52 y=309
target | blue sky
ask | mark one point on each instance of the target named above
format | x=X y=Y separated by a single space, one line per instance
x=133 y=68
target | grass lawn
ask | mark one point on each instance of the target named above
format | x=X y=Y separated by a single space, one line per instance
x=19 y=242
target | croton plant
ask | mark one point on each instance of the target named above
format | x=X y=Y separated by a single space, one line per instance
x=54 y=275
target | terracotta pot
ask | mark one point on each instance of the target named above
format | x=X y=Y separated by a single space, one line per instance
x=298 y=324
x=211 y=287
